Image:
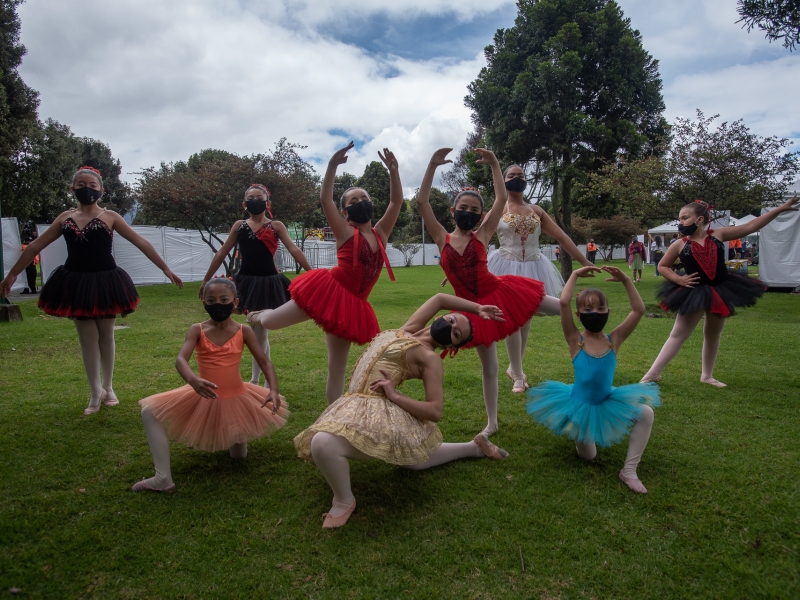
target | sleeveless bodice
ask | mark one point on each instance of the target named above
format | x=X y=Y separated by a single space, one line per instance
x=220 y=364
x=519 y=237
x=707 y=260
x=387 y=351
x=468 y=273
x=257 y=249
x=358 y=274
x=88 y=249
x=594 y=375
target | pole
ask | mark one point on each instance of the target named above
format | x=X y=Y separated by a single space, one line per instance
x=2 y=264
x=423 y=241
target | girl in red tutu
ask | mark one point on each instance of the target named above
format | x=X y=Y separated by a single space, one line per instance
x=464 y=262
x=89 y=288
x=336 y=299
x=259 y=285
x=215 y=411
x=707 y=288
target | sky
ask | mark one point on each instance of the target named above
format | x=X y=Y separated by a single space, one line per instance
x=158 y=81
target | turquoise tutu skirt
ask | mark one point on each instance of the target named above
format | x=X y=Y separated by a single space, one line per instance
x=605 y=423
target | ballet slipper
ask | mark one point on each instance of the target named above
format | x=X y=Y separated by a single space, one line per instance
x=487 y=431
x=634 y=484
x=109 y=398
x=330 y=522
x=714 y=382
x=655 y=379
x=90 y=410
x=253 y=317
x=520 y=385
x=143 y=486
x=489 y=449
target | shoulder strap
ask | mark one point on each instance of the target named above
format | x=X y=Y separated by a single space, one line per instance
x=580 y=343
x=447 y=239
x=383 y=252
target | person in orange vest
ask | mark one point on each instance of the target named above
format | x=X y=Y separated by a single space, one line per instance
x=558 y=253
x=30 y=270
x=591 y=251
x=734 y=249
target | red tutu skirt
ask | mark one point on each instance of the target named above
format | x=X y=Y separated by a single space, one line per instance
x=518 y=298
x=335 y=309
x=218 y=424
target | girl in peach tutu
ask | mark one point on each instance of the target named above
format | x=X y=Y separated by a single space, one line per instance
x=217 y=410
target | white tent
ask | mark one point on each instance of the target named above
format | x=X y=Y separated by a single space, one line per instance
x=779 y=251
x=664 y=229
x=12 y=249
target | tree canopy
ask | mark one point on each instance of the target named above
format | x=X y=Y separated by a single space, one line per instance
x=778 y=19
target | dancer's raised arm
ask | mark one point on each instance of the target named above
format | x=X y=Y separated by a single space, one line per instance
x=386 y=224
x=624 y=329
x=492 y=218
x=341 y=230
x=437 y=231
x=426 y=312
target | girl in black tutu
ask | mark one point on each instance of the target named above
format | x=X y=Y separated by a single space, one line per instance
x=707 y=288
x=260 y=286
x=89 y=288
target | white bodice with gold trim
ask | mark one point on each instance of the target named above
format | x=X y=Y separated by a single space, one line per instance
x=519 y=237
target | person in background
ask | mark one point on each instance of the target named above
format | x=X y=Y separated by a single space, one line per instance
x=656 y=252
x=30 y=270
x=674 y=239
x=637 y=254
x=558 y=253
x=591 y=251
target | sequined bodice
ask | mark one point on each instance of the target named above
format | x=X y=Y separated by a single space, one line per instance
x=468 y=273
x=707 y=260
x=519 y=237
x=387 y=352
x=220 y=364
x=594 y=375
x=358 y=274
x=257 y=249
x=88 y=248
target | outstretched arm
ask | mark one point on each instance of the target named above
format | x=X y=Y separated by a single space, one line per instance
x=739 y=231
x=624 y=329
x=550 y=228
x=492 y=218
x=220 y=255
x=386 y=224
x=146 y=247
x=341 y=230
x=441 y=302
x=283 y=236
x=571 y=333
x=50 y=235
x=437 y=231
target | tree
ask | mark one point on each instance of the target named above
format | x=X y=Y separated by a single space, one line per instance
x=440 y=203
x=607 y=233
x=408 y=244
x=94 y=153
x=376 y=181
x=570 y=85
x=779 y=19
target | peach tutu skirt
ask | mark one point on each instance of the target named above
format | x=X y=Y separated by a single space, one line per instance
x=218 y=424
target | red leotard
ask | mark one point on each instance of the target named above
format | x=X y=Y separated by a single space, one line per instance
x=336 y=299
x=517 y=297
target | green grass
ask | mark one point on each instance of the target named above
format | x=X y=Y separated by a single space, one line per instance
x=720 y=521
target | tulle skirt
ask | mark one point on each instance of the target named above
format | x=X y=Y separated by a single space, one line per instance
x=735 y=291
x=336 y=310
x=218 y=424
x=260 y=292
x=541 y=269
x=88 y=295
x=518 y=298
x=604 y=424
x=377 y=427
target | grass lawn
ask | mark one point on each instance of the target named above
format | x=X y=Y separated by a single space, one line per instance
x=720 y=521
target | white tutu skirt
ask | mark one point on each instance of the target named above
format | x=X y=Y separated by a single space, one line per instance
x=541 y=269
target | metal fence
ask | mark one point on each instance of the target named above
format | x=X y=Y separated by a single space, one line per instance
x=319 y=256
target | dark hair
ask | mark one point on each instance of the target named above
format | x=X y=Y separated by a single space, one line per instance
x=658 y=240
x=344 y=193
x=588 y=295
x=91 y=171
x=510 y=166
x=469 y=192
x=700 y=209
x=228 y=283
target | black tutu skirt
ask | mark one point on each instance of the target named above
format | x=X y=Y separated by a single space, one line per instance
x=88 y=295
x=735 y=291
x=259 y=292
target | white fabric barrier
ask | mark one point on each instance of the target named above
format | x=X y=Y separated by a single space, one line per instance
x=183 y=250
x=779 y=251
x=12 y=249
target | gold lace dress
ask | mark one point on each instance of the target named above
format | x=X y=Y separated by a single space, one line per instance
x=368 y=420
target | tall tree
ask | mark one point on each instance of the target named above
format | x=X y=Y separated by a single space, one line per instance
x=569 y=85
x=94 y=153
x=778 y=19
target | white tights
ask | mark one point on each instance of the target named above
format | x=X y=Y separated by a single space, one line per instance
x=640 y=434
x=518 y=341
x=338 y=348
x=332 y=452
x=96 y=337
x=683 y=328
x=158 y=440
x=489 y=371
x=262 y=335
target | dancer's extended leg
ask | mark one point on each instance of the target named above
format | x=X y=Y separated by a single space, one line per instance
x=338 y=350
x=683 y=328
x=158 y=440
x=107 y=344
x=283 y=316
x=489 y=369
x=448 y=452
x=331 y=453
x=89 y=338
x=640 y=434
x=549 y=306
x=262 y=335
x=712 y=332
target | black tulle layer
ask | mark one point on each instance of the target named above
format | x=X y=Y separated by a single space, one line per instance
x=92 y=295
x=259 y=292
x=735 y=291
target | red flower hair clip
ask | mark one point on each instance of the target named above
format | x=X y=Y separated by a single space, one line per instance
x=87 y=168
x=261 y=187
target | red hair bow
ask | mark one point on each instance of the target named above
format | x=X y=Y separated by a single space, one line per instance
x=87 y=168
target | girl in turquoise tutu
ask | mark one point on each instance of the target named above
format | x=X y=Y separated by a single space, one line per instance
x=592 y=411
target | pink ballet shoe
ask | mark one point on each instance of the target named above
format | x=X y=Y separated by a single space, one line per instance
x=520 y=385
x=650 y=379
x=330 y=522
x=90 y=410
x=109 y=399
x=634 y=484
x=253 y=317
x=143 y=486
x=489 y=449
x=714 y=382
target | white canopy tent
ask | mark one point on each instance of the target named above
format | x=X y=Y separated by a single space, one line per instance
x=12 y=249
x=779 y=251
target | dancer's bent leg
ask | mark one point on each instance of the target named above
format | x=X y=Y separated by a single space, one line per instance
x=89 y=338
x=681 y=331
x=586 y=451
x=158 y=441
x=262 y=335
x=338 y=350
x=107 y=344
x=515 y=346
x=238 y=450
x=712 y=332
x=489 y=371
x=331 y=453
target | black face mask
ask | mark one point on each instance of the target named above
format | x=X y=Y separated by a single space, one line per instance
x=594 y=321
x=516 y=185
x=360 y=212
x=466 y=220
x=87 y=195
x=687 y=229
x=219 y=312
x=442 y=332
x=256 y=207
